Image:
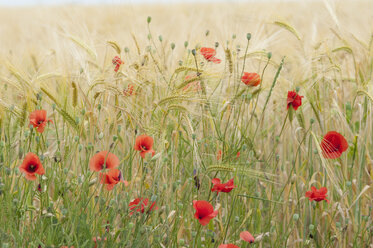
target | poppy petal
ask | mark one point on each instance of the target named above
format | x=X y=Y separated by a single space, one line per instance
x=246 y=236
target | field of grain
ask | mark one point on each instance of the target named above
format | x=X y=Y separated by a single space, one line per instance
x=119 y=126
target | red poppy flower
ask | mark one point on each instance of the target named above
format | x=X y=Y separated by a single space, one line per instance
x=222 y=187
x=97 y=162
x=218 y=156
x=111 y=178
x=31 y=165
x=139 y=205
x=117 y=62
x=38 y=119
x=317 y=194
x=251 y=79
x=238 y=154
x=228 y=246
x=129 y=91
x=294 y=100
x=194 y=86
x=209 y=54
x=144 y=144
x=333 y=144
x=204 y=212
x=246 y=236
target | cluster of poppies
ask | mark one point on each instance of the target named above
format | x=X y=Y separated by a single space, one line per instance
x=104 y=162
x=332 y=146
x=205 y=211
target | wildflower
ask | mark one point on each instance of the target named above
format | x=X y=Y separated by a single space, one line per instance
x=117 y=62
x=251 y=79
x=139 y=205
x=103 y=160
x=218 y=156
x=222 y=187
x=294 y=100
x=246 y=236
x=31 y=165
x=209 y=54
x=333 y=144
x=129 y=91
x=38 y=119
x=39 y=188
x=193 y=86
x=228 y=246
x=144 y=144
x=204 y=212
x=317 y=194
x=238 y=154
x=111 y=178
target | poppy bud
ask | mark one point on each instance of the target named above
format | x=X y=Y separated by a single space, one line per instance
x=149 y=19
x=119 y=128
x=216 y=44
x=126 y=50
x=186 y=44
x=172 y=46
x=180 y=62
x=53 y=106
x=80 y=147
x=194 y=52
x=38 y=96
x=311 y=227
x=115 y=138
x=312 y=121
x=269 y=55
x=248 y=36
x=207 y=32
x=297 y=89
x=160 y=38
x=76 y=138
x=101 y=135
x=295 y=217
x=244 y=147
x=130 y=225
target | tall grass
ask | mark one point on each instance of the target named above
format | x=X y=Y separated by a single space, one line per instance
x=62 y=63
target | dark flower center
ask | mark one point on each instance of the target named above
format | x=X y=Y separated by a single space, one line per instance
x=144 y=148
x=40 y=122
x=32 y=168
